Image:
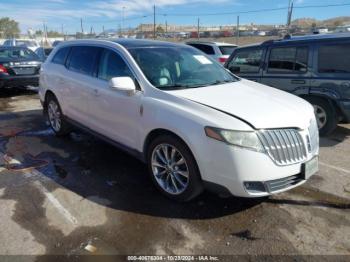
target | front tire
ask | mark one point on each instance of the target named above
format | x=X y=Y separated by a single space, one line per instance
x=173 y=168
x=326 y=116
x=55 y=117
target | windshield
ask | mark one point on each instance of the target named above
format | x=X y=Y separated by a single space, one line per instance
x=17 y=53
x=171 y=68
x=227 y=50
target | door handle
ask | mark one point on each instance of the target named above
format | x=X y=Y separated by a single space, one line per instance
x=298 y=81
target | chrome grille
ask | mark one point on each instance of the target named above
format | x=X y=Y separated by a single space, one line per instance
x=284 y=146
x=282 y=183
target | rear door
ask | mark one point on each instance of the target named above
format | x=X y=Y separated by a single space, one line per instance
x=247 y=63
x=287 y=68
x=79 y=82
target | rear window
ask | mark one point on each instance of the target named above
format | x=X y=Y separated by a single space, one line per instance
x=334 y=59
x=288 y=60
x=25 y=43
x=60 y=56
x=82 y=59
x=227 y=50
x=209 y=50
x=17 y=53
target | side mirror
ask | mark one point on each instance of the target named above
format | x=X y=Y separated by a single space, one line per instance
x=124 y=83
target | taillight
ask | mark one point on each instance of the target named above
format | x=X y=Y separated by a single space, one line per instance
x=222 y=59
x=3 y=69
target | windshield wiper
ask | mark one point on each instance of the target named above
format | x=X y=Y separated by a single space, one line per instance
x=182 y=86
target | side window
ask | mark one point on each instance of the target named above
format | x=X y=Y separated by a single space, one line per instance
x=334 y=59
x=60 y=56
x=82 y=59
x=112 y=65
x=209 y=50
x=288 y=60
x=246 y=61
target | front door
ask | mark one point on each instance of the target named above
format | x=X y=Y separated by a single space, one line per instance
x=114 y=114
x=247 y=63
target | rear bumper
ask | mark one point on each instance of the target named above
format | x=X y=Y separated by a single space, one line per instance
x=345 y=109
x=17 y=81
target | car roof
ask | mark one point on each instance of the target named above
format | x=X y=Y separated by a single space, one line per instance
x=305 y=38
x=210 y=43
x=13 y=47
x=127 y=43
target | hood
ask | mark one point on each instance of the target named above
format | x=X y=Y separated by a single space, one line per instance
x=259 y=105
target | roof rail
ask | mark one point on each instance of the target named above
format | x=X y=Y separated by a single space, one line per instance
x=268 y=42
x=287 y=36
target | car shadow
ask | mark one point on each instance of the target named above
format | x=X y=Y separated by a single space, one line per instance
x=105 y=175
x=17 y=91
x=341 y=133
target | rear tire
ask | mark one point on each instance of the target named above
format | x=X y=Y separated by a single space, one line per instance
x=55 y=117
x=173 y=168
x=326 y=115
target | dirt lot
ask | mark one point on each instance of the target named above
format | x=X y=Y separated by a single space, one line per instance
x=243 y=40
x=57 y=195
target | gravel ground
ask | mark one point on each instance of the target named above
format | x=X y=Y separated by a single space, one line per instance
x=60 y=195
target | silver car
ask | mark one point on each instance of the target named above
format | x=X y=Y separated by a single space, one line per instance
x=219 y=51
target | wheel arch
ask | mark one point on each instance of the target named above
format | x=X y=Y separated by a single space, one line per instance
x=47 y=94
x=330 y=99
x=162 y=131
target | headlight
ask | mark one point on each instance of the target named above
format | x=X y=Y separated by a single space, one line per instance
x=246 y=139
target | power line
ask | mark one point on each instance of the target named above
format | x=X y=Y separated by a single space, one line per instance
x=256 y=11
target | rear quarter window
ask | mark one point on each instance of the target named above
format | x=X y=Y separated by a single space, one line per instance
x=334 y=59
x=227 y=50
x=60 y=56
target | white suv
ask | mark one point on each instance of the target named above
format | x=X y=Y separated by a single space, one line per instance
x=195 y=124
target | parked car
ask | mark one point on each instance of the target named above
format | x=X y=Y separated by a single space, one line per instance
x=219 y=51
x=316 y=68
x=43 y=53
x=194 y=123
x=30 y=44
x=57 y=42
x=19 y=67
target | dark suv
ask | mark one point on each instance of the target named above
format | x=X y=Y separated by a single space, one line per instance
x=315 y=67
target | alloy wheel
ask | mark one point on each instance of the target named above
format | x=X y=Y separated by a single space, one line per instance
x=321 y=116
x=54 y=115
x=170 y=169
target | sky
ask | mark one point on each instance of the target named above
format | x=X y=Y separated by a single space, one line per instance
x=108 y=13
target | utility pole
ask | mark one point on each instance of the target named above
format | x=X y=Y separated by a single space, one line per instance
x=81 y=25
x=154 y=21
x=62 y=31
x=166 y=27
x=123 y=15
x=289 y=16
x=237 y=30
x=103 y=30
x=198 y=27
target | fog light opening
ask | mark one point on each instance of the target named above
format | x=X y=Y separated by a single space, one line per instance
x=255 y=187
